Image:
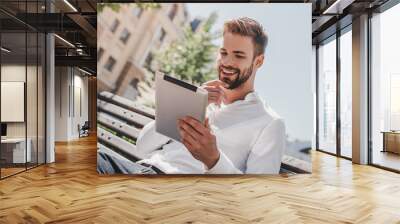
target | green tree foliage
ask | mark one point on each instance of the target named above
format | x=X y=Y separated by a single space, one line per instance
x=191 y=58
x=113 y=6
x=116 y=6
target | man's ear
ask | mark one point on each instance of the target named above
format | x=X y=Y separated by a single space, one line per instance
x=259 y=60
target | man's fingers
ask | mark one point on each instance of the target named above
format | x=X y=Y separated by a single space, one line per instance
x=209 y=88
x=216 y=82
x=196 y=125
x=187 y=144
x=186 y=137
x=215 y=95
x=189 y=129
x=213 y=89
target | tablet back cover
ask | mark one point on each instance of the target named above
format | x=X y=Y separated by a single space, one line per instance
x=176 y=99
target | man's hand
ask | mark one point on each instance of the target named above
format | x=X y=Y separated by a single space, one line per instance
x=199 y=140
x=216 y=92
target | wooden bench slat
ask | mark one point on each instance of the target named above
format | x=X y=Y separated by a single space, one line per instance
x=127 y=104
x=122 y=113
x=117 y=125
x=117 y=142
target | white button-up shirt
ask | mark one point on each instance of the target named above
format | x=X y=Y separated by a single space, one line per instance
x=250 y=138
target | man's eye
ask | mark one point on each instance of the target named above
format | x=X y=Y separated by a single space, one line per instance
x=239 y=56
x=223 y=53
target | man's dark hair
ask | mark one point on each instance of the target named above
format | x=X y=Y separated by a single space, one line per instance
x=245 y=26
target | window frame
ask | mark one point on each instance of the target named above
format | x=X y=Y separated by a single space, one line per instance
x=124 y=36
x=109 y=66
x=334 y=37
x=115 y=25
x=381 y=9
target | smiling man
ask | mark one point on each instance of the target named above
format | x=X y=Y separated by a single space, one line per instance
x=241 y=133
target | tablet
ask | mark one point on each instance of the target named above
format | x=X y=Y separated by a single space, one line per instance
x=176 y=99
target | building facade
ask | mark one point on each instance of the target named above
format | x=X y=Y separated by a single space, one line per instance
x=127 y=40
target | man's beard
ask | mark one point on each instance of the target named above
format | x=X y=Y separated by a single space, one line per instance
x=241 y=77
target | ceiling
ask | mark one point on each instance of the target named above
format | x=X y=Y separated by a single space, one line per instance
x=332 y=15
x=74 y=22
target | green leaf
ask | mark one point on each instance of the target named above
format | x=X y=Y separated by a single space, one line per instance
x=192 y=57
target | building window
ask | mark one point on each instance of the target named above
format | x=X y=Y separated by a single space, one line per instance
x=148 y=62
x=110 y=64
x=173 y=11
x=134 y=83
x=162 y=35
x=137 y=12
x=195 y=24
x=100 y=53
x=115 y=25
x=125 y=35
x=327 y=96
x=394 y=101
x=185 y=14
x=385 y=89
x=346 y=94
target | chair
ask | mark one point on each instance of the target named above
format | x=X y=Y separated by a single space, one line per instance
x=84 y=130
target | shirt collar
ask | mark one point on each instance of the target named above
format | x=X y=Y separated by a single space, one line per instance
x=250 y=97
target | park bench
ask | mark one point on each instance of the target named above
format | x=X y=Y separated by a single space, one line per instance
x=119 y=121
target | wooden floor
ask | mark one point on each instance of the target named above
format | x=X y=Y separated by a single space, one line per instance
x=387 y=159
x=10 y=171
x=71 y=191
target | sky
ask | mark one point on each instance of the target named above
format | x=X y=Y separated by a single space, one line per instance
x=285 y=80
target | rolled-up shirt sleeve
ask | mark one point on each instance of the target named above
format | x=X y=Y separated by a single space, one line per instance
x=265 y=157
x=149 y=140
x=224 y=166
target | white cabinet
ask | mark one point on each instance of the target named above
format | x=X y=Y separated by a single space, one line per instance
x=16 y=147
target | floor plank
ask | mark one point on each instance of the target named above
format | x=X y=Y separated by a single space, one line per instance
x=71 y=191
x=387 y=159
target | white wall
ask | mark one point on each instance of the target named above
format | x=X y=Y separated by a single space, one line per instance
x=61 y=103
x=69 y=85
x=80 y=83
x=13 y=73
x=33 y=126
